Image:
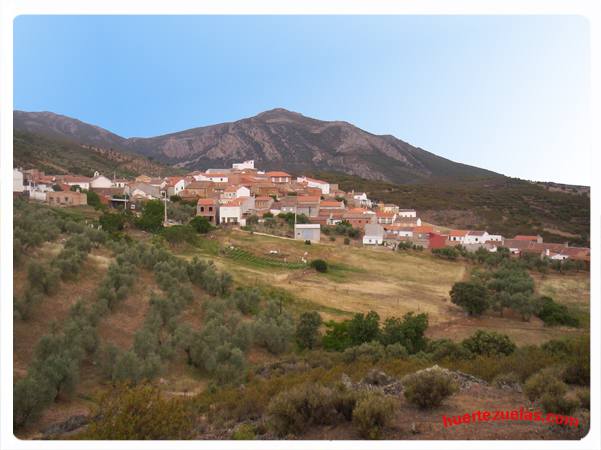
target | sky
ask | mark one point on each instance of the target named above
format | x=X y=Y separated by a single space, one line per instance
x=506 y=93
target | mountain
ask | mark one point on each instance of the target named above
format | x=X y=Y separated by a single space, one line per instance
x=275 y=139
x=59 y=155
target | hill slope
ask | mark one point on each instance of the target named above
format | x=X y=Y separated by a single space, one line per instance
x=276 y=139
x=508 y=206
x=58 y=156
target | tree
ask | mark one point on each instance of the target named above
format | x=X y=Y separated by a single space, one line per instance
x=112 y=223
x=30 y=395
x=337 y=336
x=307 y=329
x=472 y=297
x=409 y=332
x=201 y=224
x=178 y=234
x=93 y=199
x=364 y=328
x=152 y=216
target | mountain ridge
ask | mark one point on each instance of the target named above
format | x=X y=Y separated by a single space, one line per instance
x=275 y=139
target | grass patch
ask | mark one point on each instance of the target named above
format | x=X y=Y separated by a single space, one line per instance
x=247 y=258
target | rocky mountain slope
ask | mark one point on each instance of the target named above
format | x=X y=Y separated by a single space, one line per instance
x=275 y=139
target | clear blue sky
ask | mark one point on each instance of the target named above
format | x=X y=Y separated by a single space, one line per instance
x=510 y=94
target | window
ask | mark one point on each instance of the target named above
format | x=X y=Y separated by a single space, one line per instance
x=210 y=208
x=202 y=209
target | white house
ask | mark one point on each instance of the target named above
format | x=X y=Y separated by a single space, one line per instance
x=495 y=238
x=374 y=234
x=18 y=181
x=74 y=180
x=407 y=213
x=100 y=181
x=476 y=237
x=307 y=232
x=324 y=186
x=250 y=164
x=362 y=199
x=214 y=177
x=242 y=191
x=234 y=211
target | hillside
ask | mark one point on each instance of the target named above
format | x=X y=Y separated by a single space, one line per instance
x=508 y=206
x=57 y=155
x=276 y=139
x=218 y=335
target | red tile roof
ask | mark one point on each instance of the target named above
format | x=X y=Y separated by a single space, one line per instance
x=277 y=174
x=457 y=232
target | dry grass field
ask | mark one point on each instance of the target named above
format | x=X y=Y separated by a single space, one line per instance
x=390 y=283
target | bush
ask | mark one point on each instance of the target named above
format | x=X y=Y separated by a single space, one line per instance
x=372 y=414
x=489 y=343
x=201 y=224
x=544 y=382
x=320 y=265
x=347 y=241
x=332 y=238
x=428 y=388
x=368 y=351
x=30 y=396
x=558 y=404
x=244 y=432
x=446 y=349
x=292 y=411
x=139 y=413
x=553 y=313
x=584 y=397
x=273 y=330
x=408 y=332
x=396 y=350
x=307 y=329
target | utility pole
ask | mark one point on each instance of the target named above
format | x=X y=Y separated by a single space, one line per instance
x=165 y=197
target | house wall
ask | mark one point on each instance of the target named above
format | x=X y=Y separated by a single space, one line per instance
x=307 y=234
x=18 y=181
x=101 y=182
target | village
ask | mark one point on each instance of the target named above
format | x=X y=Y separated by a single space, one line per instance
x=243 y=194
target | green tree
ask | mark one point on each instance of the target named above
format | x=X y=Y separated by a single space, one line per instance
x=364 y=328
x=472 y=297
x=489 y=343
x=307 y=329
x=201 y=224
x=152 y=216
x=112 y=223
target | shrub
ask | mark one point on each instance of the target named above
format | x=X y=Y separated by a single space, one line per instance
x=372 y=414
x=428 y=388
x=489 y=343
x=447 y=349
x=178 y=234
x=292 y=411
x=543 y=383
x=347 y=241
x=332 y=238
x=368 y=351
x=244 y=432
x=558 y=404
x=30 y=395
x=553 y=313
x=201 y=224
x=320 y=265
x=139 y=413
x=396 y=350
x=307 y=329
x=584 y=397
